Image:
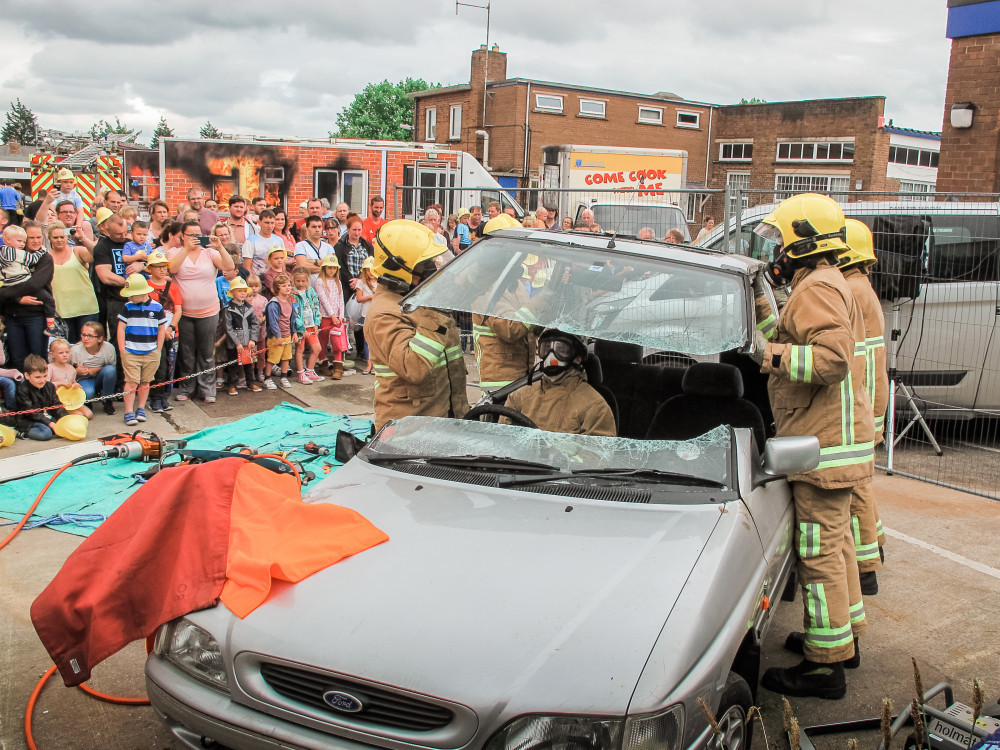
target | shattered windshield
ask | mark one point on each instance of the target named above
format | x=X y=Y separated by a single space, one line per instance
x=608 y=294
x=705 y=457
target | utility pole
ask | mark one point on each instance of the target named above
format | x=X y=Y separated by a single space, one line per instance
x=486 y=67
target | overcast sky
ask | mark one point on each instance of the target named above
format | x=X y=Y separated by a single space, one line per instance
x=287 y=68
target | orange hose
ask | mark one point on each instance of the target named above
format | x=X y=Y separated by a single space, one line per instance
x=31 y=510
x=284 y=461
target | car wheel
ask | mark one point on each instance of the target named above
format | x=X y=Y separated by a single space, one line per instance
x=732 y=716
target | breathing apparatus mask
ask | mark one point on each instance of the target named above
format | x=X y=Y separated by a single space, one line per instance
x=779 y=270
x=558 y=351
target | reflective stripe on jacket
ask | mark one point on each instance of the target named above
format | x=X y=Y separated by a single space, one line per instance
x=505 y=349
x=438 y=330
x=877 y=377
x=817 y=388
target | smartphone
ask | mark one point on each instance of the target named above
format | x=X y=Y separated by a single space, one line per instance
x=203 y=240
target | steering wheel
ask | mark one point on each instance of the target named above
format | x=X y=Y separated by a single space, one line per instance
x=497 y=411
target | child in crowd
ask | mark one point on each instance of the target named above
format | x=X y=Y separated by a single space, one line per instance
x=275 y=266
x=130 y=215
x=463 y=235
x=66 y=184
x=309 y=318
x=332 y=330
x=364 y=290
x=242 y=330
x=282 y=323
x=140 y=340
x=61 y=372
x=36 y=392
x=95 y=360
x=168 y=294
x=259 y=303
x=138 y=247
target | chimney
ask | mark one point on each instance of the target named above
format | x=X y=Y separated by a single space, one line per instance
x=14 y=146
x=496 y=61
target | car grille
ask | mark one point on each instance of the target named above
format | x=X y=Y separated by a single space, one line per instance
x=381 y=707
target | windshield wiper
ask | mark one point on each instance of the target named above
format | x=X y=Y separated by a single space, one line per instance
x=466 y=461
x=649 y=474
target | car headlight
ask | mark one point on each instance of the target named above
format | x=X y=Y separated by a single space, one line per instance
x=194 y=651
x=659 y=731
x=558 y=733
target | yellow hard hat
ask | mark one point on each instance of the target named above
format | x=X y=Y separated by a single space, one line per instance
x=7 y=435
x=400 y=245
x=135 y=285
x=501 y=221
x=103 y=214
x=332 y=260
x=860 y=248
x=65 y=174
x=157 y=258
x=804 y=225
x=71 y=396
x=237 y=283
x=71 y=427
x=368 y=262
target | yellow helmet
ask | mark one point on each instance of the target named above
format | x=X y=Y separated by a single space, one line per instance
x=7 y=435
x=860 y=248
x=804 y=225
x=400 y=245
x=71 y=427
x=501 y=221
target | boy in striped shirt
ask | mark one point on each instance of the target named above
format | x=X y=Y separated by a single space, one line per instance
x=140 y=340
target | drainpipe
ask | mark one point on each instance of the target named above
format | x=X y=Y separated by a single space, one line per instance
x=486 y=148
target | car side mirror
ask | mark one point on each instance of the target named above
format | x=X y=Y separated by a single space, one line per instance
x=787 y=455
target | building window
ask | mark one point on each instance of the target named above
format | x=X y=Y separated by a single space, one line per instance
x=651 y=115
x=548 y=103
x=455 y=122
x=735 y=151
x=916 y=191
x=786 y=185
x=914 y=157
x=688 y=119
x=592 y=108
x=695 y=201
x=739 y=180
x=816 y=151
x=430 y=125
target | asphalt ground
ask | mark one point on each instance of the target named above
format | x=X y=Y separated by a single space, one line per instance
x=939 y=602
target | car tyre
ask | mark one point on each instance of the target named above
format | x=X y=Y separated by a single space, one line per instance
x=734 y=708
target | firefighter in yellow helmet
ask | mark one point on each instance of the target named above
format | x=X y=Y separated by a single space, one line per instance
x=410 y=353
x=865 y=521
x=505 y=349
x=816 y=387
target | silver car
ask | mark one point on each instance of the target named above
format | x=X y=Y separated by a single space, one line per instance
x=539 y=589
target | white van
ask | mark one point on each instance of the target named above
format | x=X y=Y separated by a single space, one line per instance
x=940 y=267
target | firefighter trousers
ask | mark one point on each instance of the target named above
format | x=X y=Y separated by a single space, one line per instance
x=866 y=526
x=827 y=569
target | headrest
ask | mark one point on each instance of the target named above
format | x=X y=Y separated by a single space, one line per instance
x=592 y=367
x=712 y=379
x=615 y=351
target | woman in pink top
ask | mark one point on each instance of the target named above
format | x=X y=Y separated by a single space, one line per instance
x=281 y=229
x=194 y=269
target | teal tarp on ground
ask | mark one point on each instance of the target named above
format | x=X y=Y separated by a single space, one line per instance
x=99 y=488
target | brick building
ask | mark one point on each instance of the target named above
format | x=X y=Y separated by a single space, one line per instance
x=824 y=144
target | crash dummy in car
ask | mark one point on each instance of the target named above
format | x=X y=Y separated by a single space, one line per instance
x=562 y=400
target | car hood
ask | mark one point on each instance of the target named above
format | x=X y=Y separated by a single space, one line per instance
x=501 y=600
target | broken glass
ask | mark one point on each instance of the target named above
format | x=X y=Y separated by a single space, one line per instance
x=658 y=302
x=704 y=457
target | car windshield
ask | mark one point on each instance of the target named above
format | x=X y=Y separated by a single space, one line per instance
x=657 y=302
x=706 y=457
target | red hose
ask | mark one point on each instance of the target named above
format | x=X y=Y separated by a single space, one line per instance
x=34 y=505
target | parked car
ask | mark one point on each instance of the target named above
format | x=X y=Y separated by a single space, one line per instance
x=538 y=589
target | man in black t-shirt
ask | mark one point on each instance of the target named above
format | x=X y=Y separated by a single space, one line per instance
x=111 y=271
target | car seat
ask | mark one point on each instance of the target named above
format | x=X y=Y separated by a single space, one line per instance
x=595 y=377
x=712 y=396
x=638 y=388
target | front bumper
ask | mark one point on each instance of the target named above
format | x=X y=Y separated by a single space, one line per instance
x=228 y=723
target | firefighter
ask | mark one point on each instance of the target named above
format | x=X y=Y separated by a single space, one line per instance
x=816 y=387
x=505 y=349
x=563 y=401
x=869 y=538
x=410 y=352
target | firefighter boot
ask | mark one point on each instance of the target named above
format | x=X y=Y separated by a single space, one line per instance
x=807 y=679
x=795 y=642
x=869 y=583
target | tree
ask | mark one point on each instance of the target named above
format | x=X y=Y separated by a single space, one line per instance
x=380 y=110
x=21 y=126
x=103 y=127
x=208 y=130
x=754 y=100
x=162 y=131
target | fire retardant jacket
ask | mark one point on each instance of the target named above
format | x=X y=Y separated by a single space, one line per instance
x=409 y=357
x=877 y=378
x=505 y=349
x=817 y=370
x=566 y=403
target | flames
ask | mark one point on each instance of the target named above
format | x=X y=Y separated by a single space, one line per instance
x=240 y=174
